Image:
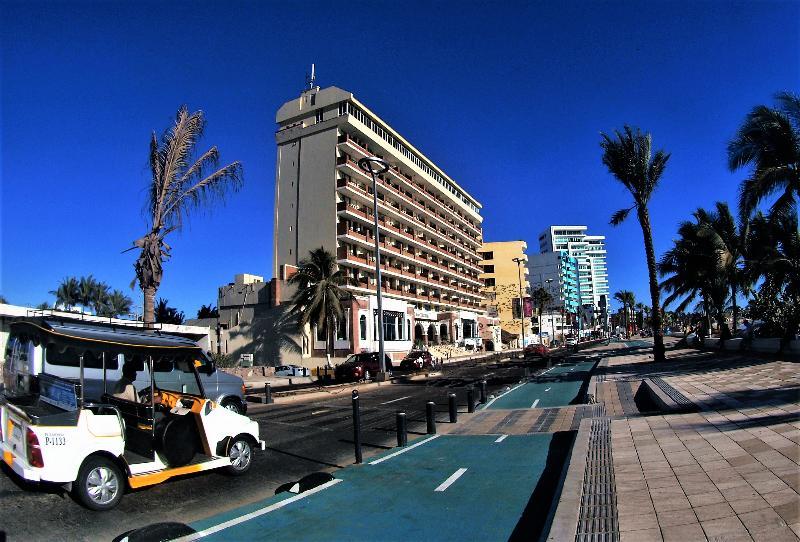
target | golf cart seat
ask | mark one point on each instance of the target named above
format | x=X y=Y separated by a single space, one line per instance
x=139 y=421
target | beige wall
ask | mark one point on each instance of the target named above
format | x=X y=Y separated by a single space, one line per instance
x=506 y=278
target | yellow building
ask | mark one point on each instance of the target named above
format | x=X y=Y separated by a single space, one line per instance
x=501 y=283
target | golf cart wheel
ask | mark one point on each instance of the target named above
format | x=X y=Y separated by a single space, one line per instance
x=100 y=483
x=232 y=404
x=241 y=456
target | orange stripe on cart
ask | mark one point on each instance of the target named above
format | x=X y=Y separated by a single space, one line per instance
x=150 y=479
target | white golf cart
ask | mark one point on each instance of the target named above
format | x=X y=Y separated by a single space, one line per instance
x=50 y=432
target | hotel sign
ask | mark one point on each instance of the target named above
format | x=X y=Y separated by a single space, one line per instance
x=420 y=314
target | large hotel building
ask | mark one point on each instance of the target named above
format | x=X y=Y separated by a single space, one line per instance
x=430 y=227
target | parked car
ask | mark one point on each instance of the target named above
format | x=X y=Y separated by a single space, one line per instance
x=537 y=350
x=291 y=370
x=416 y=361
x=361 y=366
x=571 y=341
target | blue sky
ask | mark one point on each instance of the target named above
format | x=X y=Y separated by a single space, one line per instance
x=508 y=98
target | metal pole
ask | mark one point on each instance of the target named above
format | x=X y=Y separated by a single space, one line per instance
x=451 y=401
x=430 y=417
x=357 y=427
x=521 y=308
x=470 y=400
x=375 y=165
x=483 y=391
x=402 y=434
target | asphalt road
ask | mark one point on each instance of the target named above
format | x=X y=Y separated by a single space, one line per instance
x=301 y=438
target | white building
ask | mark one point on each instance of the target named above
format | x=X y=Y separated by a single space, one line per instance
x=590 y=252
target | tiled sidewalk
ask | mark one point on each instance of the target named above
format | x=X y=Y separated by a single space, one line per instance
x=729 y=472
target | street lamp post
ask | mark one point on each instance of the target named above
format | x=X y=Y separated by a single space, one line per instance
x=521 y=301
x=550 y=313
x=375 y=166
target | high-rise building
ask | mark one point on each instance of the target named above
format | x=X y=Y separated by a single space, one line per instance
x=501 y=284
x=557 y=274
x=590 y=252
x=430 y=227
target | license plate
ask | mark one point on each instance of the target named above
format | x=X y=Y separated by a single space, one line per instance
x=16 y=433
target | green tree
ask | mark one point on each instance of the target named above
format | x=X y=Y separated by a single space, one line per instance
x=541 y=300
x=628 y=300
x=774 y=256
x=3 y=300
x=116 y=304
x=208 y=311
x=729 y=243
x=67 y=294
x=629 y=158
x=769 y=142
x=179 y=184
x=690 y=271
x=43 y=306
x=320 y=292
x=164 y=314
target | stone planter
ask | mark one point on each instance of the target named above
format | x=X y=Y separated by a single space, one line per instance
x=767 y=345
x=733 y=344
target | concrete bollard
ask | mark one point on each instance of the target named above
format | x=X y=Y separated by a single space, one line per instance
x=357 y=427
x=430 y=417
x=483 y=391
x=402 y=432
x=267 y=394
x=451 y=401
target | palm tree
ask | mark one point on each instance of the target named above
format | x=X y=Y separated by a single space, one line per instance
x=775 y=257
x=116 y=304
x=207 y=311
x=728 y=239
x=179 y=184
x=44 y=305
x=629 y=158
x=691 y=271
x=164 y=314
x=100 y=298
x=3 y=300
x=541 y=299
x=628 y=299
x=640 y=315
x=320 y=291
x=769 y=141
x=67 y=294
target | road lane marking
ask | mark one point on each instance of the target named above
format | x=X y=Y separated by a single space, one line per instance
x=453 y=477
x=501 y=438
x=487 y=405
x=395 y=400
x=536 y=402
x=404 y=450
x=247 y=517
x=319 y=411
x=548 y=389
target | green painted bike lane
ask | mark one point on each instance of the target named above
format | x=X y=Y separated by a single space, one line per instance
x=447 y=488
x=547 y=393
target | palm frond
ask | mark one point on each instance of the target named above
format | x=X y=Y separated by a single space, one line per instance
x=620 y=216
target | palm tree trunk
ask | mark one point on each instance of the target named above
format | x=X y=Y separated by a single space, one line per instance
x=329 y=343
x=735 y=311
x=149 y=306
x=647 y=234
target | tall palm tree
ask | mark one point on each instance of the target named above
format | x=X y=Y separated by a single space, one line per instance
x=164 y=314
x=541 y=299
x=728 y=240
x=628 y=299
x=640 y=315
x=769 y=141
x=67 y=293
x=629 y=158
x=320 y=292
x=179 y=183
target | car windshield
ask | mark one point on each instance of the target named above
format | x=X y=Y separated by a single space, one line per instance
x=352 y=359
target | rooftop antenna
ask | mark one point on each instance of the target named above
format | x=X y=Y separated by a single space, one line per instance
x=310 y=79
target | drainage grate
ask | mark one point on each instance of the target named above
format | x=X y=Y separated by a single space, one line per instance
x=684 y=403
x=598 y=521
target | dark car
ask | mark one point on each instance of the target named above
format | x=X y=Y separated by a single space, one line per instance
x=536 y=351
x=361 y=366
x=416 y=361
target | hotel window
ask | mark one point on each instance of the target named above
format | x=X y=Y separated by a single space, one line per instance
x=341 y=328
x=319 y=115
x=362 y=323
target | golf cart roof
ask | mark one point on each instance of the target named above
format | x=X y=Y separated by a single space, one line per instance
x=102 y=336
